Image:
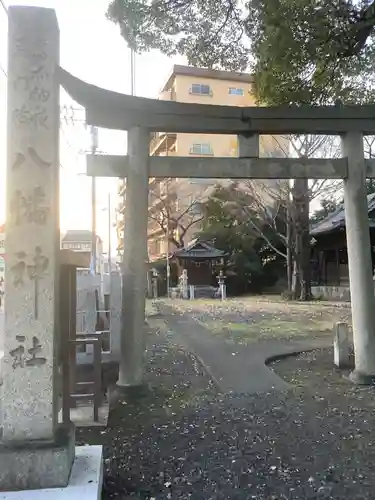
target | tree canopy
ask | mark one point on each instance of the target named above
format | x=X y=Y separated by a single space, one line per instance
x=330 y=204
x=300 y=51
x=253 y=248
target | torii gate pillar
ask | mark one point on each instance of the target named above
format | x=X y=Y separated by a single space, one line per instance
x=134 y=261
x=359 y=259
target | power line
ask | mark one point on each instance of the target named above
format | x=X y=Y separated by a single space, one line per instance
x=2 y=69
x=4 y=6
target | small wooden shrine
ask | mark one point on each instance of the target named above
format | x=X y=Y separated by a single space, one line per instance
x=201 y=260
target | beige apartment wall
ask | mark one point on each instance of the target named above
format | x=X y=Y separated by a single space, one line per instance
x=220 y=91
x=227 y=145
x=222 y=146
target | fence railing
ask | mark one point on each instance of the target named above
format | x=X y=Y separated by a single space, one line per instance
x=105 y=333
x=102 y=327
x=71 y=394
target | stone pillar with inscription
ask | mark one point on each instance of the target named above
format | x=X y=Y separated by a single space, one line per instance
x=34 y=451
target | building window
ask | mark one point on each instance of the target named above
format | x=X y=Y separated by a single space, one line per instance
x=201 y=149
x=236 y=91
x=200 y=89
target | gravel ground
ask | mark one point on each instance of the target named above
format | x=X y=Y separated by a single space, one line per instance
x=184 y=440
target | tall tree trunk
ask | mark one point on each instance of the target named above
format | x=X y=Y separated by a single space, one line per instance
x=289 y=246
x=302 y=272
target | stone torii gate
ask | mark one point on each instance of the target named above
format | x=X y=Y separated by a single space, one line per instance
x=37 y=451
x=140 y=116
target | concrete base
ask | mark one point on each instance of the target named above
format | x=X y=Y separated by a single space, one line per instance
x=361 y=379
x=39 y=464
x=85 y=481
x=110 y=368
x=133 y=393
x=83 y=415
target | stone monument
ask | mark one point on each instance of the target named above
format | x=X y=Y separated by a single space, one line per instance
x=155 y=284
x=341 y=347
x=184 y=288
x=35 y=451
x=222 y=287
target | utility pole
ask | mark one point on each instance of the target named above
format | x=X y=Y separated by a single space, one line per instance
x=167 y=235
x=94 y=147
x=132 y=72
x=168 y=215
x=109 y=237
x=289 y=237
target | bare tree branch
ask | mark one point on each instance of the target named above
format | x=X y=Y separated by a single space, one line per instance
x=172 y=220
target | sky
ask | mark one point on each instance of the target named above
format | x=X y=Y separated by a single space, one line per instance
x=93 y=50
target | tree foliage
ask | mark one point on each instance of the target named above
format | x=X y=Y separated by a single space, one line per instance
x=252 y=246
x=330 y=204
x=313 y=51
x=301 y=51
x=327 y=207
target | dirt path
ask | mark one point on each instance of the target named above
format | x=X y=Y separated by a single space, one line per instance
x=185 y=440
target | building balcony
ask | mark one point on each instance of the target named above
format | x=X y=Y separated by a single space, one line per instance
x=154 y=181
x=168 y=95
x=121 y=209
x=120 y=224
x=121 y=187
x=162 y=143
x=154 y=232
x=155 y=257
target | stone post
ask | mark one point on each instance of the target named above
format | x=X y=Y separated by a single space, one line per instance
x=184 y=284
x=359 y=259
x=155 y=287
x=35 y=452
x=341 y=348
x=134 y=266
x=222 y=287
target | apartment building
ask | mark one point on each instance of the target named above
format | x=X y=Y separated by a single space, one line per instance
x=179 y=198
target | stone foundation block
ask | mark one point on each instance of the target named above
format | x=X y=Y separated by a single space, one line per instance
x=38 y=464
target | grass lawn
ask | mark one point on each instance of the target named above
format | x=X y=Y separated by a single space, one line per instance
x=248 y=319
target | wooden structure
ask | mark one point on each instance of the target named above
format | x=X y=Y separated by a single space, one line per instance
x=329 y=249
x=201 y=261
x=73 y=390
